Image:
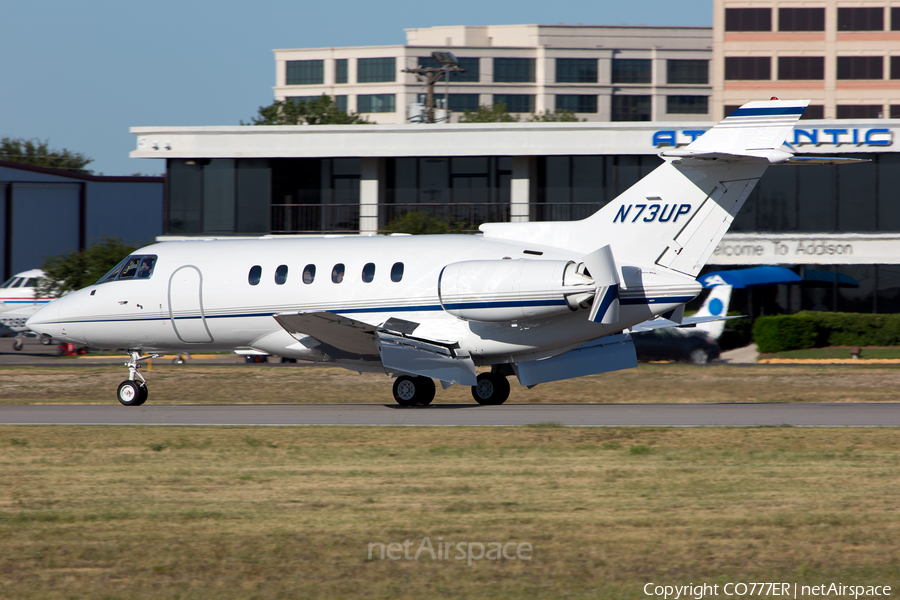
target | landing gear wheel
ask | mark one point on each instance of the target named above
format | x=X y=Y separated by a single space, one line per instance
x=426 y=390
x=492 y=389
x=18 y=344
x=132 y=393
x=412 y=391
x=46 y=340
x=699 y=357
x=405 y=391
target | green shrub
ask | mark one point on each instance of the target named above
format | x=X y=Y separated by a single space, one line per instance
x=784 y=332
x=818 y=329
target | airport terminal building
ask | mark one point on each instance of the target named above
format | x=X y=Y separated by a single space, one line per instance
x=354 y=179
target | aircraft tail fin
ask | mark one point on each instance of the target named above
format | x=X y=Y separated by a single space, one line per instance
x=715 y=305
x=675 y=216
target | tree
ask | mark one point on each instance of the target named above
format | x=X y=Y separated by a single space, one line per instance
x=419 y=223
x=320 y=111
x=38 y=153
x=495 y=113
x=559 y=115
x=80 y=268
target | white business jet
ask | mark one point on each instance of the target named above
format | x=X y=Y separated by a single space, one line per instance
x=541 y=301
x=18 y=302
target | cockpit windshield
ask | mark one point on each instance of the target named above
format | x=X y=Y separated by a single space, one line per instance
x=132 y=267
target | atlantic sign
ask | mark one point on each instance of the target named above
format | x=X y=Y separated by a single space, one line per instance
x=815 y=136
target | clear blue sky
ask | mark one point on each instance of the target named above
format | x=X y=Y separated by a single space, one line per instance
x=79 y=74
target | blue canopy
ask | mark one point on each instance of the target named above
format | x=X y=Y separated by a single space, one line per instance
x=829 y=278
x=744 y=278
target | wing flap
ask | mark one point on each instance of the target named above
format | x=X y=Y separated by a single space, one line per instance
x=420 y=357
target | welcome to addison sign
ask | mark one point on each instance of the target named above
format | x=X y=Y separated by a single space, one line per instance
x=807 y=249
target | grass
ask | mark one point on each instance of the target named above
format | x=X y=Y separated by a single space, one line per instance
x=835 y=352
x=260 y=384
x=140 y=512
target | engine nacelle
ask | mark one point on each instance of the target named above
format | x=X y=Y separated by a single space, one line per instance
x=513 y=290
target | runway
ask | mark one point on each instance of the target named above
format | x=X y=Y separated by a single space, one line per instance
x=572 y=415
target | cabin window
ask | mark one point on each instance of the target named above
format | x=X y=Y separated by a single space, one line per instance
x=30 y=282
x=337 y=273
x=397 y=272
x=281 y=274
x=255 y=275
x=309 y=274
x=17 y=282
x=368 y=272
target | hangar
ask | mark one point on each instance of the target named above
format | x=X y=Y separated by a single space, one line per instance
x=44 y=212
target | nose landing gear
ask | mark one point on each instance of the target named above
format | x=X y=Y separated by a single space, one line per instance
x=132 y=392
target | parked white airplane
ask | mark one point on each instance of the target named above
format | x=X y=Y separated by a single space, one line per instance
x=18 y=302
x=543 y=301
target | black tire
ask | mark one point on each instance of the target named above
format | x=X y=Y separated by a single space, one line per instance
x=425 y=391
x=145 y=393
x=18 y=344
x=406 y=391
x=46 y=340
x=698 y=356
x=492 y=389
x=130 y=393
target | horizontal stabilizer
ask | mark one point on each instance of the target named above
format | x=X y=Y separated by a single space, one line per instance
x=823 y=160
x=611 y=353
x=660 y=323
x=418 y=357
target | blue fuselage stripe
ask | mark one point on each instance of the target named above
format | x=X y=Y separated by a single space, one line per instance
x=391 y=309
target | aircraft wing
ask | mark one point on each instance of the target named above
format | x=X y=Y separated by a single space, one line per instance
x=660 y=323
x=343 y=338
x=337 y=336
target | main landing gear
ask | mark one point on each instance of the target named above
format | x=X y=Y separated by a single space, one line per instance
x=413 y=391
x=132 y=392
x=492 y=389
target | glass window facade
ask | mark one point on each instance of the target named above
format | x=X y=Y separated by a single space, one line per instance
x=748 y=67
x=516 y=103
x=576 y=70
x=340 y=70
x=687 y=105
x=462 y=191
x=513 y=70
x=577 y=103
x=375 y=103
x=631 y=108
x=631 y=70
x=341 y=103
x=373 y=70
x=689 y=72
x=801 y=67
x=748 y=19
x=305 y=72
x=860 y=67
x=463 y=102
x=801 y=19
x=860 y=111
x=861 y=19
x=472 y=66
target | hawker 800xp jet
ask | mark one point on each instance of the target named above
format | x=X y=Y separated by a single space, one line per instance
x=538 y=301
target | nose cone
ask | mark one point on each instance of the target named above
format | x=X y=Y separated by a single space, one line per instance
x=46 y=320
